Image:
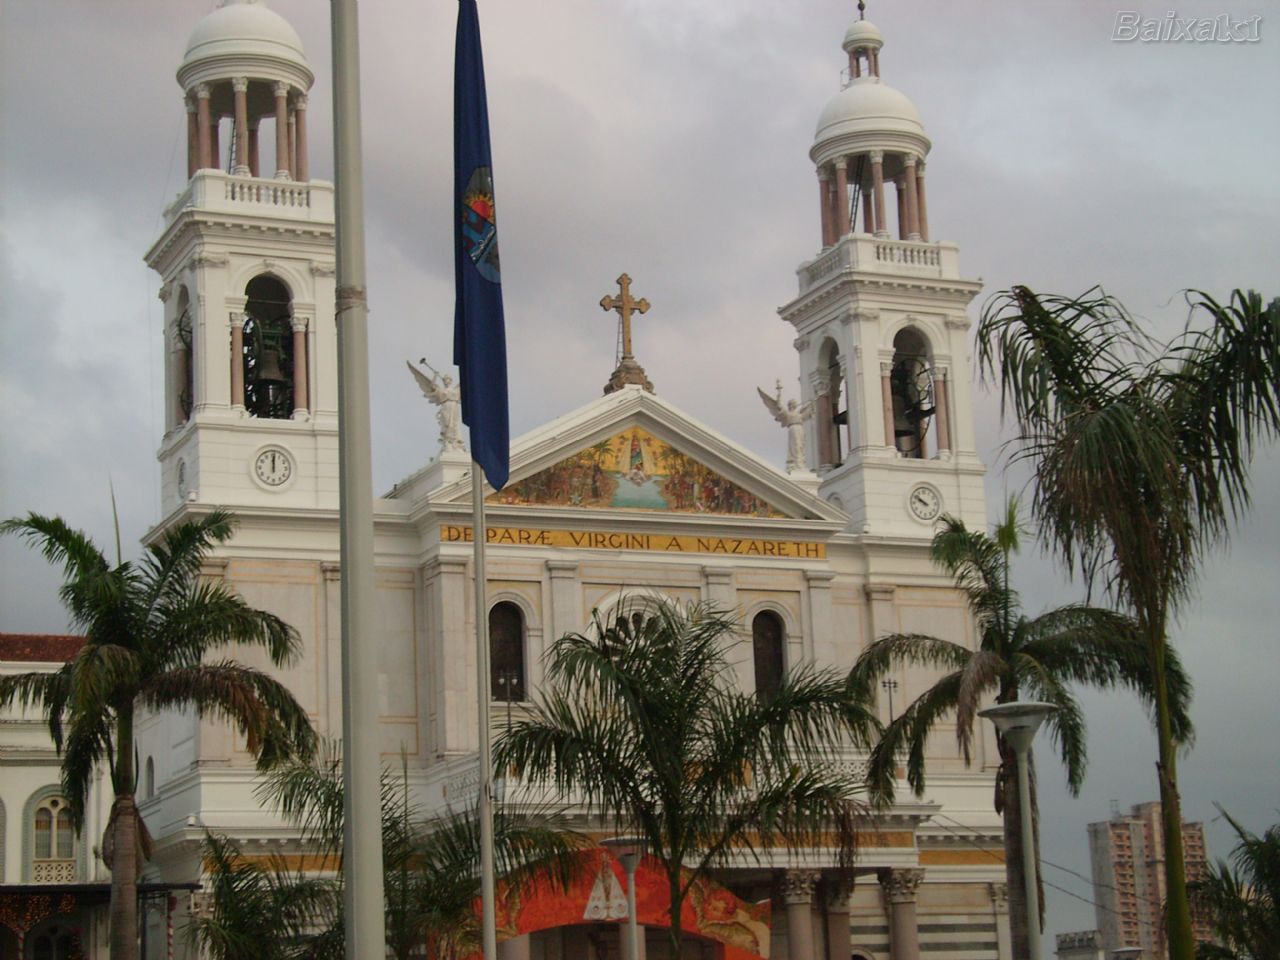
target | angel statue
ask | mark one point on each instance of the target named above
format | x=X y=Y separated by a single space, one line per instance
x=445 y=394
x=792 y=417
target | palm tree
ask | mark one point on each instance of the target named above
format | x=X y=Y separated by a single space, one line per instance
x=1141 y=456
x=641 y=722
x=1242 y=898
x=268 y=912
x=431 y=867
x=1016 y=656
x=148 y=627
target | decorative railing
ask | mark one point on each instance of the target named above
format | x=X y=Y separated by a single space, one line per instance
x=906 y=252
x=53 y=871
x=216 y=190
x=864 y=252
x=274 y=193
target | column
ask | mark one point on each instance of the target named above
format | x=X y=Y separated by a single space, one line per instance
x=240 y=87
x=821 y=647
x=899 y=889
x=824 y=205
x=193 y=138
x=282 y=131
x=797 y=892
x=293 y=146
x=253 y=148
x=877 y=190
x=1000 y=906
x=237 y=360
x=566 y=604
x=301 y=402
x=822 y=417
x=873 y=60
x=902 y=207
x=517 y=948
x=868 y=215
x=912 y=201
x=855 y=67
x=842 y=198
x=942 y=412
x=204 y=151
x=920 y=202
x=215 y=150
x=303 y=167
x=886 y=400
x=839 y=935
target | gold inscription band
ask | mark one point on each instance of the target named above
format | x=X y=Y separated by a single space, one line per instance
x=602 y=540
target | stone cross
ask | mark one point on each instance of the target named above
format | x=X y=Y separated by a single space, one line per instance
x=624 y=303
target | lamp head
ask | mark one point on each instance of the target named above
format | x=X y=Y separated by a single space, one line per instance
x=1018 y=722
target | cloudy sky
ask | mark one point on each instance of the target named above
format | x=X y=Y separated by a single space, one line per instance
x=669 y=139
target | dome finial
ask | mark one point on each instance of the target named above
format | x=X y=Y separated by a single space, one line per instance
x=862 y=9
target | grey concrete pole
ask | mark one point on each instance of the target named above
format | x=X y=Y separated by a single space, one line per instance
x=1028 y=854
x=479 y=533
x=362 y=825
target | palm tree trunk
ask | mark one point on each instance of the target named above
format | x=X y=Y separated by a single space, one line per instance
x=124 y=854
x=677 y=907
x=1013 y=872
x=1181 y=936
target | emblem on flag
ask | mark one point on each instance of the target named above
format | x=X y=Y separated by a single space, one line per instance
x=479 y=225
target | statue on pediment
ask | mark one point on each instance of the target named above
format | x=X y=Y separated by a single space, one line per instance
x=447 y=396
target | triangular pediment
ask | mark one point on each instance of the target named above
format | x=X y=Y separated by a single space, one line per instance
x=635 y=470
x=632 y=451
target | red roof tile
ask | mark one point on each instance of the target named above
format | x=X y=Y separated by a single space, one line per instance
x=39 y=647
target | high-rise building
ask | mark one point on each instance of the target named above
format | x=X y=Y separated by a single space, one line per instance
x=1128 y=858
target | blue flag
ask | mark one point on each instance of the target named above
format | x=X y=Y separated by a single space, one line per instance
x=479 y=334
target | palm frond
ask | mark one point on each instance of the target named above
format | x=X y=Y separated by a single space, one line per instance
x=262 y=708
x=1066 y=725
x=898 y=649
x=909 y=733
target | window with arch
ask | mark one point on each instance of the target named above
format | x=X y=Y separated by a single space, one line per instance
x=911 y=387
x=53 y=850
x=268 y=349
x=56 y=944
x=833 y=411
x=506 y=652
x=149 y=780
x=184 y=354
x=768 y=635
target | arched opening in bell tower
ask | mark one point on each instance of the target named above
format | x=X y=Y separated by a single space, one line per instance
x=268 y=349
x=183 y=356
x=911 y=389
x=832 y=408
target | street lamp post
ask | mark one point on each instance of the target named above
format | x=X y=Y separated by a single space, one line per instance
x=1018 y=722
x=629 y=850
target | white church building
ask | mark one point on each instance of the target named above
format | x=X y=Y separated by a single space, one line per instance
x=626 y=495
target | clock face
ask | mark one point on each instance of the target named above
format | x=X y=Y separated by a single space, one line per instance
x=273 y=466
x=925 y=502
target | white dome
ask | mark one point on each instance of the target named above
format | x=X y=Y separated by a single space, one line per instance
x=868 y=106
x=244 y=28
x=863 y=33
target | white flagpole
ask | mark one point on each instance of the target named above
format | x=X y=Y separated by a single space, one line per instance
x=364 y=914
x=479 y=531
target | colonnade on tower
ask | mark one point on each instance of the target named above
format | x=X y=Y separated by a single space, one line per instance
x=880 y=316
x=235 y=70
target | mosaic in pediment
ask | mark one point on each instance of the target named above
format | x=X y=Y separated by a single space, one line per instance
x=634 y=470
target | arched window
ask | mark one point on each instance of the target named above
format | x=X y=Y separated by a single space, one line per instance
x=268 y=349
x=149 y=780
x=911 y=386
x=53 y=849
x=184 y=354
x=832 y=412
x=767 y=638
x=54 y=945
x=506 y=652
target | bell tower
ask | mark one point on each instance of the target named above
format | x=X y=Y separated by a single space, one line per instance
x=247 y=263
x=880 y=321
